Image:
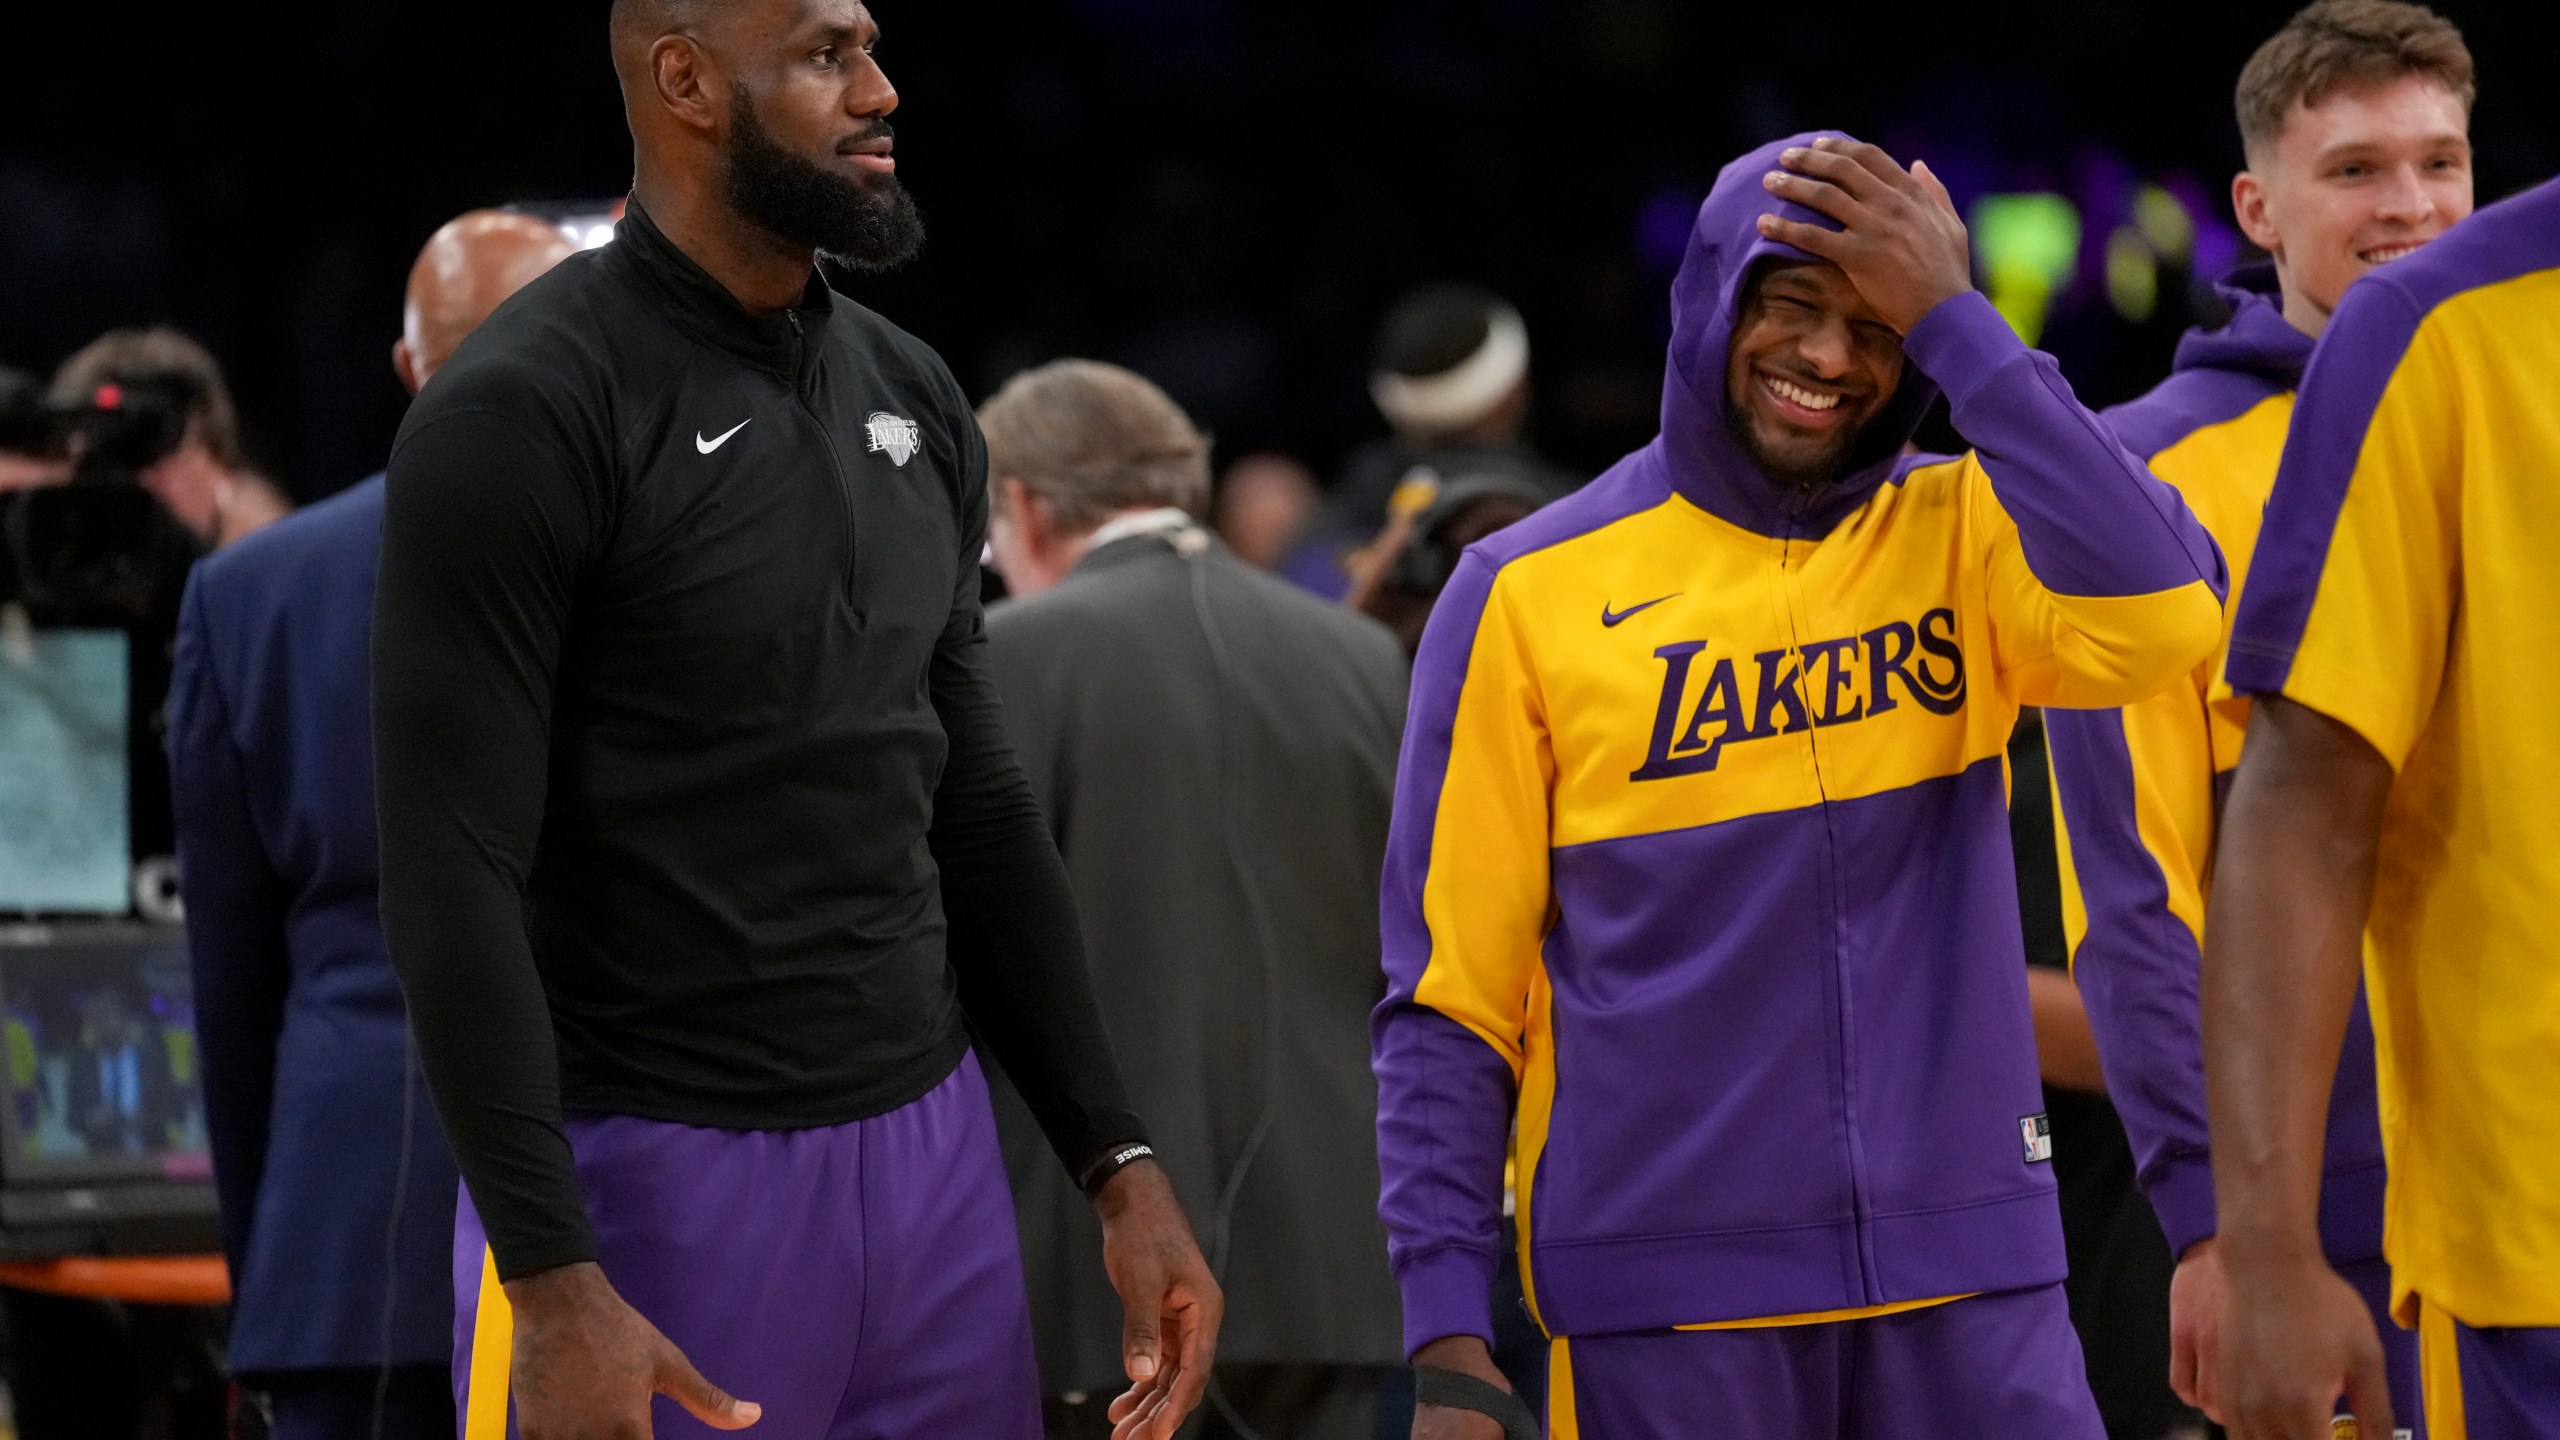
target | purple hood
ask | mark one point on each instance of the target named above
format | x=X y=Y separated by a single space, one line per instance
x=2257 y=340
x=1697 y=449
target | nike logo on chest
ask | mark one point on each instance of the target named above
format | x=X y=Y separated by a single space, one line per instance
x=1610 y=618
x=707 y=446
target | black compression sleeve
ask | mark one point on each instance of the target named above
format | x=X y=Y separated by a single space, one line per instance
x=485 y=529
x=1015 y=944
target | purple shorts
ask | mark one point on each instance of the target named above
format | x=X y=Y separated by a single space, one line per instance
x=2494 y=1384
x=858 y=1281
x=2005 y=1364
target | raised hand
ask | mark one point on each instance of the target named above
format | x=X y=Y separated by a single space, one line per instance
x=1899 y=241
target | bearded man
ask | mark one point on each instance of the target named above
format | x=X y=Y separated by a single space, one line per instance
x=703 y=851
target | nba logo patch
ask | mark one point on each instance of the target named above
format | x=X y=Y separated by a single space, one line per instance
x=2037 y=1132
x=893 y=434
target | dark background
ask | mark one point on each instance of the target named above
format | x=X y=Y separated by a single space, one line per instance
x=1222 y=193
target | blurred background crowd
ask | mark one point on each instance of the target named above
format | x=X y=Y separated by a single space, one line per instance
x=1223 y=195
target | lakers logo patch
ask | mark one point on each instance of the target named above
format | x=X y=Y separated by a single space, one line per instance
x=894 y=436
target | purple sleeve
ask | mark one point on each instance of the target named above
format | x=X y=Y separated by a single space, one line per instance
x=1445 y=1097
x=2138 y=969
x=2091 y=519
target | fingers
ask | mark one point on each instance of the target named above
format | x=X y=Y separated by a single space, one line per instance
x=706 y=1402
x=1937 y=188
x=2182 y=1365
x=1870 y=158
x=1818 y=240
x=1820 y=196
x=1141 y=1353
x=1833 y=167
x=1196 y=1313
x=1141 y=1412
x=2208 y=1386
x=2369 y=1393
x=1188 y=1387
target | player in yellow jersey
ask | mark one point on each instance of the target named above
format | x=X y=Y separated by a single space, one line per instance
x=1699 y=899
x=2354 y=118
x=2400 y=800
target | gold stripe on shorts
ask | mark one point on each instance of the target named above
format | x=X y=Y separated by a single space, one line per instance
x=1561 y=1424
x=493 y=1344
x=2440 y=1372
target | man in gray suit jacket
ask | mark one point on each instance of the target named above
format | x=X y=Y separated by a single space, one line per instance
x=1215 y=751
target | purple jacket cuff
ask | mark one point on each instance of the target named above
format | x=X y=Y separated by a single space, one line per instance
x=1961 y=342
x=2181 y=1194
x=1448 y=1291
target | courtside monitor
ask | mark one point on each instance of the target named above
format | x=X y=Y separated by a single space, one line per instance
x=102 y=1134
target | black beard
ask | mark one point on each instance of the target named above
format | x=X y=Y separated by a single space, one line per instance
x=1798 y=479
x=862 y=224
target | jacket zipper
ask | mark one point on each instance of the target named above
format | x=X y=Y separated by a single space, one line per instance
x=1843 y=1014
x=835 y=457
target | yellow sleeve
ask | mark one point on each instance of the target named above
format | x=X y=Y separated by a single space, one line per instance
x=1485 y=896
x=2372 y=648
x=2081 y=651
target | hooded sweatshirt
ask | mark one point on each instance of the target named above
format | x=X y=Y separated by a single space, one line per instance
x=1699 y=869
x=2137 y=790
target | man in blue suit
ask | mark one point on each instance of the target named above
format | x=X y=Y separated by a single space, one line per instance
x=337 y=1192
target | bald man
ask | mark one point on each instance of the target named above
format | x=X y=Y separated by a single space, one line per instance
x=466 y=269
x=336 y=1187
x=706 y=861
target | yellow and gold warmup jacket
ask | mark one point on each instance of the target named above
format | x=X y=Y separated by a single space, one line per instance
x=1699 y=868
x=2137 y=791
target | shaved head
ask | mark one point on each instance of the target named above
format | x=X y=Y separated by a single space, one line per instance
x=466 y=271
x=639 y=24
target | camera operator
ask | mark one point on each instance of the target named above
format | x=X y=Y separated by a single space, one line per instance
x=205 y=478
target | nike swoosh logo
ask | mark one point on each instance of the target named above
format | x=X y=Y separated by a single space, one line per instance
x=1612 y=617
x=707 y=446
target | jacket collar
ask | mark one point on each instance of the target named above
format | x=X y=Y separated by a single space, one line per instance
x=785 y=343
x=2257 y=340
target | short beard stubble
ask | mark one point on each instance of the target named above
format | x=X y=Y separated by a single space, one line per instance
x=859 y=223
x=1797 y=479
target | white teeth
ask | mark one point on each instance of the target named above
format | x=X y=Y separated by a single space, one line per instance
x=1801 y=395
x=2388 y=252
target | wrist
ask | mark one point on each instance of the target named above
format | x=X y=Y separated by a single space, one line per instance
x=1129 y=1185
x=1961 y=342
x=2268 y=1249
x=560 y=1287
x=1098 y=1172
x=1466 y=1354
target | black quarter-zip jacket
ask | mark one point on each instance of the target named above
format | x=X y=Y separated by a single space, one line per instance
x=696 y=802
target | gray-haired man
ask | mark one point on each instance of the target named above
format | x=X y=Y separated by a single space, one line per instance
x=1214 y=750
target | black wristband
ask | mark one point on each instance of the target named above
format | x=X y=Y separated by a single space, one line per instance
x=1111 y=1162
x=1455 y=1390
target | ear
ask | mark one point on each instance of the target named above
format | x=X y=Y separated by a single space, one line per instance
x=2249 y=207
x=688 y=82
x=1009 y=502
x=404 y=363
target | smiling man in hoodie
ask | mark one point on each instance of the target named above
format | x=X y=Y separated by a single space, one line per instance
x=1698 y=898
x=2355 y=117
